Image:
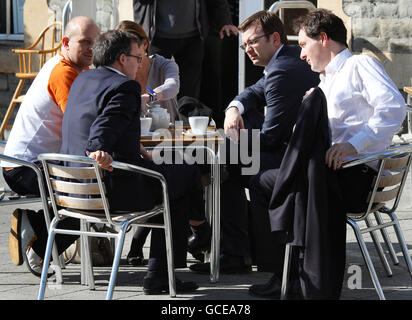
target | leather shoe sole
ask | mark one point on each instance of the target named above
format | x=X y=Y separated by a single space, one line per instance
x=153 y=286
x=15 y=240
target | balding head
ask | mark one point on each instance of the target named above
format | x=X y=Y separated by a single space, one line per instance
x=77 y=24
x=78 y=39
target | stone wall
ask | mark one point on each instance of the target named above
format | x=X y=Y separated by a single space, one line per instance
x=383 y=28
x=103 y=14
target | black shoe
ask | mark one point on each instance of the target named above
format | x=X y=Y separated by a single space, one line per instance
x=228 y=265
x=273 y=287
x=200 y=240
x=161 y=285
x=135 y=259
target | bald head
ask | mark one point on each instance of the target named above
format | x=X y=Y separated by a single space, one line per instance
x=79 y=35
x=77 y=24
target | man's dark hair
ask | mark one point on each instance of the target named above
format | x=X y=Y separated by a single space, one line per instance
x=110 y=45
x=322 y=20
x=269 y=22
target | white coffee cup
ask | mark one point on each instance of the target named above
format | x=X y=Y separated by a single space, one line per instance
x=145 y=124
x=198 y=124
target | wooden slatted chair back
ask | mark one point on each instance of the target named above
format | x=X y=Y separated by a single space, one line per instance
x=76 y=187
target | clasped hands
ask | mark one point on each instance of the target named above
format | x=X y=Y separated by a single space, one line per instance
x=337 y=153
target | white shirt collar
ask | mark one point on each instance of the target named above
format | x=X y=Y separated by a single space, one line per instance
x=273 y=58
x=115 y=70
x=335 y=64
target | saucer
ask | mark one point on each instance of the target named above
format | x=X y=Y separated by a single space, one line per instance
x=149 y=134
x=208 y=133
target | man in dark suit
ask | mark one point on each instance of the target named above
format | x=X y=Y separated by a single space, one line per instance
x=102 y=121
x=285 y=81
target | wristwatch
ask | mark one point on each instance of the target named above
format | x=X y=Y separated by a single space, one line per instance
x=153 y=96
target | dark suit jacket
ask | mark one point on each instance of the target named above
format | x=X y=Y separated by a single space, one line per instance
x=306 y=202
x=102 y=113
x=281 y=89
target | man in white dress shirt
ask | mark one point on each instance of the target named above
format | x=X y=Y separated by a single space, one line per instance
x=365 y=108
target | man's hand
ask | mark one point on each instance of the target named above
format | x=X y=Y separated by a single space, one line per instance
x=337 y=153
x=233 y=123
x=103 y=159
x=227 y=29
x=308 y=93
x=147 y=155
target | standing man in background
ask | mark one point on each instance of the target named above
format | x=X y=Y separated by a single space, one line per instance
x=179 y=28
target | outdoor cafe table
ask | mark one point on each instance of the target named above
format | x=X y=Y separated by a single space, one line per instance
x=210 y=143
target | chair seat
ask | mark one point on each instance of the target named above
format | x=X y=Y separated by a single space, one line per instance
x=375 y=207
x=98 y=216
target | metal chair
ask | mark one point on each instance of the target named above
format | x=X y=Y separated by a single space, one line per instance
x=26 y=68
x=393 y=169
x=29 y=199
x=79 y=192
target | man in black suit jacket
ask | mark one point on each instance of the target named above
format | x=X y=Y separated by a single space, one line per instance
x=102 y=121
x=285 y=81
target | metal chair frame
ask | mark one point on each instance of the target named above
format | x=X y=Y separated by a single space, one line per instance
x=119 y=220
x=376 y=207
x=43 y=199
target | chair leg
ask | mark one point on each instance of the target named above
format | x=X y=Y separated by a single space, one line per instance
x=89 y=261
x=83 y=254
x=116 y=260
x=386 y=238
x=366 y=258
x=379 y=249
x=286 y=269
x=169 y=256
x=46 y=262
x=402 y=242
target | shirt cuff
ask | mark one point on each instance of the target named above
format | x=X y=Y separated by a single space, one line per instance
x=359 y=142
x=238 y=105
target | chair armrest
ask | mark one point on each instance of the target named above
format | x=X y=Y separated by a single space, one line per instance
x=377 y=156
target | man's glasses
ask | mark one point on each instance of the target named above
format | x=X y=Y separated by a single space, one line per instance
x=139 y=58
x=252 y=42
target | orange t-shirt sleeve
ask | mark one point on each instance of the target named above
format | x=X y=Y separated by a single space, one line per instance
x=60 y=81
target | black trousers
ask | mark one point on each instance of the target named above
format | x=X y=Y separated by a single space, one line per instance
x=236 y=234
x=188 y=54
x=355 y=184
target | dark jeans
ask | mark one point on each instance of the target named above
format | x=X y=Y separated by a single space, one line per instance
x=188 y=54
x=23 y=181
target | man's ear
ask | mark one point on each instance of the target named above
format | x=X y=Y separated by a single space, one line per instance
x=324 y=38
x=122 y=59
x=65 y=41
x=276 y=37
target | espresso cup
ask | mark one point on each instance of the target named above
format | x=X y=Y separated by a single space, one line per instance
x=145 y=124
x=198 y=124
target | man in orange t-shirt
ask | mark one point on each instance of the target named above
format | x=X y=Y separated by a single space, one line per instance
x=37 y=129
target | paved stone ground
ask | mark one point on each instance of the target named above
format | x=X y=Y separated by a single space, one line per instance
x=16 y=283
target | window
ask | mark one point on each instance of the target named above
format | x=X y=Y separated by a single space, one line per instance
x=11 y=20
